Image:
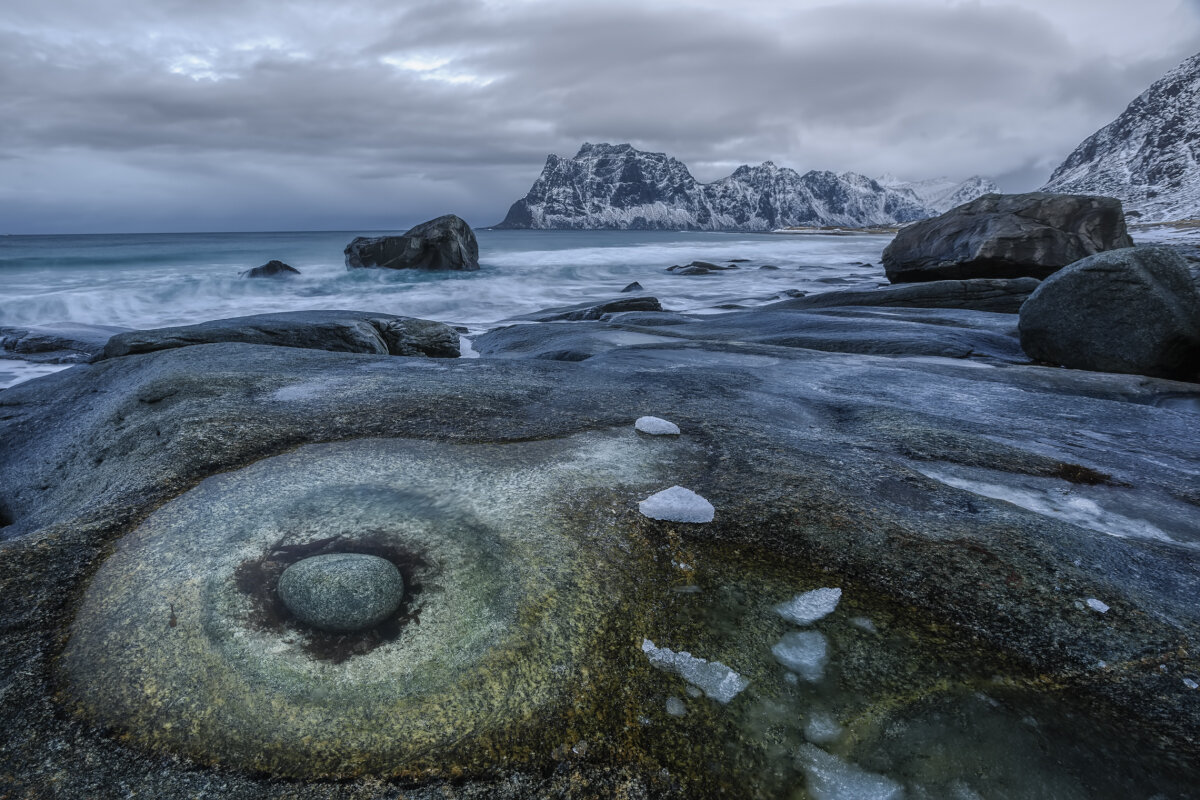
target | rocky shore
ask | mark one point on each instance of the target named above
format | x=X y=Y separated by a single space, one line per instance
x=999 y=528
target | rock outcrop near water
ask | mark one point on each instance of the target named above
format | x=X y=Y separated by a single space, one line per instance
x=271 y=269
x=1006 y=236
x=618 y=186
x=1149 y=156
x=344 y=331
x=1135 y=310
x=445 y=243
x=60 y=343
x=975 y=511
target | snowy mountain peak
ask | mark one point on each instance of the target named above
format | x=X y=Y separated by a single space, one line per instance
x=1149 y=156
x=619 y=186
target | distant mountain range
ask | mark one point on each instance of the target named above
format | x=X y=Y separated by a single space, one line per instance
x=621 y=187
x=1149 y=157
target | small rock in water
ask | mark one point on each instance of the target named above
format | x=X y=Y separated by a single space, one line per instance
x=675 y=707
x=716 y=680
x=1097 y=605
x=677 y=504
x=656 y=426
x=821 y=728
x=342 y=591
x=832 y=778
x=807 y=608
x=805 y=653
x=633 y=287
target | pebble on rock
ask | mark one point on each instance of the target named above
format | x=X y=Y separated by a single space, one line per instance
x=677 y=504
x=342 y=592
x=656 y=426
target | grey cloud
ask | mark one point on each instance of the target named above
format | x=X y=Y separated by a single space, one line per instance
x=308 y=119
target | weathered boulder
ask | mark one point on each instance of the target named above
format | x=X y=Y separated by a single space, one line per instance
x=271 y=269
x=341 y=331
x=445 y=243
x=1007 y=236
x=1001 y=295
x=1135 y=311
x=58 y=343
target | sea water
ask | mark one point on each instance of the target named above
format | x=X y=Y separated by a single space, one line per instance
x=150 y=280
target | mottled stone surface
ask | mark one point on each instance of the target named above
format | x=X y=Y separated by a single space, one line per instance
x=342 y=591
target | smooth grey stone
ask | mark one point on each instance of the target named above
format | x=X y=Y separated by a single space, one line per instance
x=445 y=243
x=1001 y=295
x=1006 y=236
x=342 y=331
x=342 y=592
x=592 y=310
x=57 y=343
x=1135 y=311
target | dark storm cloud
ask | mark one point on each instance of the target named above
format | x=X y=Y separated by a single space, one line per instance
x=184 y=115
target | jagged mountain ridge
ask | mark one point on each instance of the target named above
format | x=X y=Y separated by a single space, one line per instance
x=609 y=186
x=941 y=194
x=1149 y=156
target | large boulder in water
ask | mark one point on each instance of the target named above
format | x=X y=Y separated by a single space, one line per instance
x=339 y=331
x=271 y=269
x=1135 y=311
x=1007 y=236
x=56 y=343
x=445 y=243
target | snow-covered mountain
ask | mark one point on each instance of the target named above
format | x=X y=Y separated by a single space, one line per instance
x=941 y=194
x=1149 y=157
x=618 y=186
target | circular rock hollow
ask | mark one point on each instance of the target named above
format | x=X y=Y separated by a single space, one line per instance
x=513 y=557
x=342 y=592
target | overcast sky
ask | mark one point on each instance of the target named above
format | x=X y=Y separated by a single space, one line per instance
x=191 y=115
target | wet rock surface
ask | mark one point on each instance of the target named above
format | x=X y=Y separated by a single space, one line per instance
x=1135 y=311
x=62 y=343
x=1000 y=295
x=342 y=331
x=589 y=310
x=1006 y=236
x=912 y=483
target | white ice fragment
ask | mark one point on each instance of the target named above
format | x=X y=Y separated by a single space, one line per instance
x=1191 y=684
x=832 y=778
x=675 y=707
x=864 y=623
x=692 y=691
x=677 y=504
x=1097 y=605
x=656 y=426
x=807 y=608
x=804 y=653
x=821 y=728
x=716 y=680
